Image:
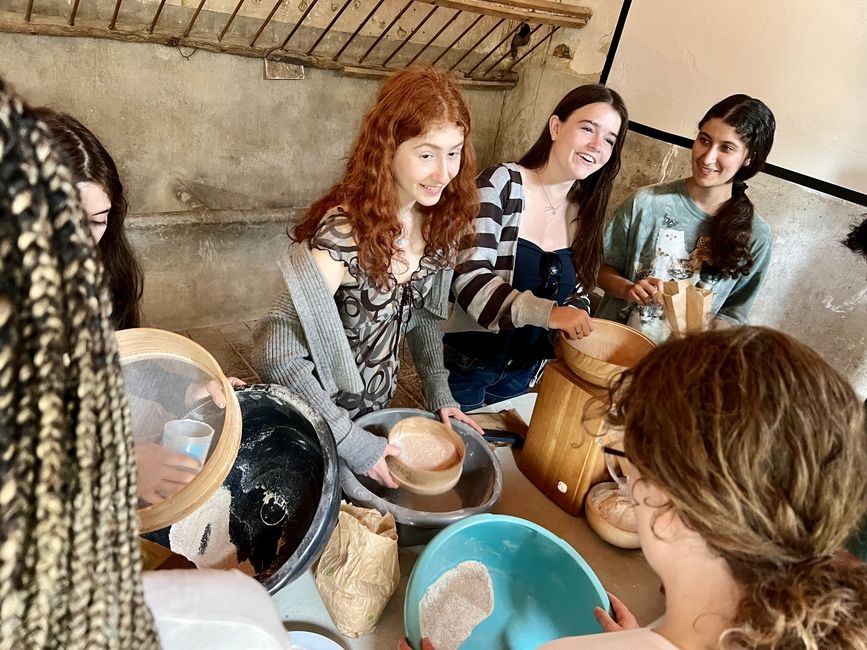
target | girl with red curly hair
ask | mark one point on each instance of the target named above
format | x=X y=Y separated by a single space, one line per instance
x=372 y=261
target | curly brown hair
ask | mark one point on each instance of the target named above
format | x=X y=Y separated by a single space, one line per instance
x=856 y=240
x=70 y=564
x=760 y=446
x=409 y=104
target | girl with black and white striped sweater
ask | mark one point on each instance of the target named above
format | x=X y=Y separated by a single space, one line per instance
x=537 y=248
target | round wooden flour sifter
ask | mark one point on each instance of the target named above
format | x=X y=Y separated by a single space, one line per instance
x=169 y=377
x=608 y=351
x=432 y=455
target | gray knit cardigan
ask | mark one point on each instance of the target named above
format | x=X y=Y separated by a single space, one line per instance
x=300 y=344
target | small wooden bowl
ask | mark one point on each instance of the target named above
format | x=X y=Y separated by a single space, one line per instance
x=608 y=351
x=613 y=521
x=432 y=456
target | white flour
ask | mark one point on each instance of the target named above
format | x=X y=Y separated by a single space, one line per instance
x=424 y=451
x=203 y=537
x=455 y=604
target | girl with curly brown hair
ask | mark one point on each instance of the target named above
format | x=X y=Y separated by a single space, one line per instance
x=703 y=228
x=746 y=458
x=372 y=262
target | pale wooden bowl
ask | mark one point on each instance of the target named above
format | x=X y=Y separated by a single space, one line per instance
x=145 y=343
x=432 y=456
x=608 y=351
x=618 y=528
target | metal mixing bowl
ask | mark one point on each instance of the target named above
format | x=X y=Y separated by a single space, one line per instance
x=420 y=517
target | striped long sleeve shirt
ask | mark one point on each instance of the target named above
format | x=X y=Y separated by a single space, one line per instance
x=482 y=285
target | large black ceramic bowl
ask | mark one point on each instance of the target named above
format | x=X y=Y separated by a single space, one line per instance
x=421 y=517
x=281 y=497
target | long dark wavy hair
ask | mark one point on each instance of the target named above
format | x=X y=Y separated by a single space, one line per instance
x=856 y=240
x=88 y=161
x=409 y=104
x=731 y=228
x=591 y=194
x=761 y=450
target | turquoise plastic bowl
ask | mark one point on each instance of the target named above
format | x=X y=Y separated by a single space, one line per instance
x=543 y=590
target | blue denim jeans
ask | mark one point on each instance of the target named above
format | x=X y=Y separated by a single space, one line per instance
x=475 y=381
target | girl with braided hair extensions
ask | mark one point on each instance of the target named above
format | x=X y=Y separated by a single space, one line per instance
x=70 y=564
x=703 y=228
x=372 y=262
x=739 y=446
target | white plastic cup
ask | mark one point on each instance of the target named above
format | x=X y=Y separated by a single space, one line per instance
x=189 y=437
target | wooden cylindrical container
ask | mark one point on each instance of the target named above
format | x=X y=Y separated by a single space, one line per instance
x=560 y=455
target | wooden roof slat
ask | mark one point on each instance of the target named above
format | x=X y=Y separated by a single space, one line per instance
x=535 y=11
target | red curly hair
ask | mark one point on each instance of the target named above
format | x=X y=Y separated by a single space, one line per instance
x=409 y=104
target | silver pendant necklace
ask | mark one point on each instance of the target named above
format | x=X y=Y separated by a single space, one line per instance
x=551 y=207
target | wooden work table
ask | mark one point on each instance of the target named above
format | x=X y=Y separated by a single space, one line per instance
x=624 y=573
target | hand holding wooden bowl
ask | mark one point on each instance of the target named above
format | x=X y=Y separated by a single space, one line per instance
x=608 y=351
x=431 y=458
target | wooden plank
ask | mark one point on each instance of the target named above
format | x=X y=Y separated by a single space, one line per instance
x=535 y=11
x=508 y=80
x=49 y=26
x=232 y=364
x=239 y=337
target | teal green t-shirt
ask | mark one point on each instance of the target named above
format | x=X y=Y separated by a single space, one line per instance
x=660 y=232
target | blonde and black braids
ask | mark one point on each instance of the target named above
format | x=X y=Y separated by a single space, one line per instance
x=759 y=445
x=70 y=569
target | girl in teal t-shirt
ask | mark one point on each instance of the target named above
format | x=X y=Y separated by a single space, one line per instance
x=702 y=228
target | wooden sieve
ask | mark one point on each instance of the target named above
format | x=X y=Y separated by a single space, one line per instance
x=609 y=350
x=432 y=455
x=145 y=344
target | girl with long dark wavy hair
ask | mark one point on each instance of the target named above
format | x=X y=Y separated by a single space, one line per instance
x=703 y=228
x=102 y=198
x=528 y=268
x=746 y=459
x=372 y=261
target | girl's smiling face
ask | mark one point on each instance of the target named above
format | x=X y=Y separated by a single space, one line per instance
x=584 y=142
x=717 y=154
x=424 y=165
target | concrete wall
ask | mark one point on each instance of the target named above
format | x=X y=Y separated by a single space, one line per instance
x=816 y=289
x=210 y=120
x=248 y=148
x=238 y=141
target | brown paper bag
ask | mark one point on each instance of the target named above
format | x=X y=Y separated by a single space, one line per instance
x=358 y=571
x=698 y=305
x=674 y=303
